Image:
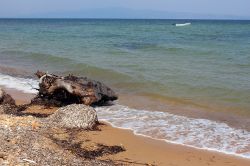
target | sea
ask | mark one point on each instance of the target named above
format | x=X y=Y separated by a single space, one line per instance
x=187 y=85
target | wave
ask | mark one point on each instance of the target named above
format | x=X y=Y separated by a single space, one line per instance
x=133 y=46
x=59 y=65
x=198 y=133
x=97 y=72
x=34 y=56
x=26 y=85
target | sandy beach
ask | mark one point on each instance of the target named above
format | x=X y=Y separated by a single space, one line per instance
x=146 y=151
x=140 y=150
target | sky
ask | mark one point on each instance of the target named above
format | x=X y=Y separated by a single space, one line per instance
x=126 y=8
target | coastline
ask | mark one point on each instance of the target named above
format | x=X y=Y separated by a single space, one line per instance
x=146 y=103
x=141 y=150
x=141 y=101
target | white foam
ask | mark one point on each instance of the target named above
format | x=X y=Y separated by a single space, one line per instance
x=199 y=133
x=23 y=84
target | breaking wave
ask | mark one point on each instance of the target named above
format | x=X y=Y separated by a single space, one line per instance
x=26 y=85
x=198 y=133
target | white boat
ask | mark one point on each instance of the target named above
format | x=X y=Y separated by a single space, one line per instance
x=181 y=25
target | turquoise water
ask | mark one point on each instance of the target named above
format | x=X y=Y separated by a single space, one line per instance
x=205 y=64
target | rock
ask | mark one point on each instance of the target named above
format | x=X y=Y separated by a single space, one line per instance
x=72 y=90
x=3 y=155
x=7 y=103
x=74 y=116
x=6 y=98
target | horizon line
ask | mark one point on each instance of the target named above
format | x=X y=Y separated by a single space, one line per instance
x=108 y=18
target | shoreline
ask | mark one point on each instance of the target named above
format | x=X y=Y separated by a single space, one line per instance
x=145 y=153
x=181 y=106
x=169 y=153
x=159 y=105
x=175 y=143
x=156 y=103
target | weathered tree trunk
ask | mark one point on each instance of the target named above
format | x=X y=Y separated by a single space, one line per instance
x=72 y=89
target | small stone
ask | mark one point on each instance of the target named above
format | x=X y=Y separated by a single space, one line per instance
x=3 y=155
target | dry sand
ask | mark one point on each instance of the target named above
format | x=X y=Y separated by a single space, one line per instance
x=144 y=151
x=141 y=151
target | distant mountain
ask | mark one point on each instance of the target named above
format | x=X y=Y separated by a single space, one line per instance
x=132 y=14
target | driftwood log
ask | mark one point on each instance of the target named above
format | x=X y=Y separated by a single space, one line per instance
x=72 y=89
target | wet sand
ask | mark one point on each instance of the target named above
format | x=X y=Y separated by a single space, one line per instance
x=145 y=151
x=141 y=151
x=139 y=101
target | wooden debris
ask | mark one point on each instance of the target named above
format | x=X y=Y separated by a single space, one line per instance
x=71 y=89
